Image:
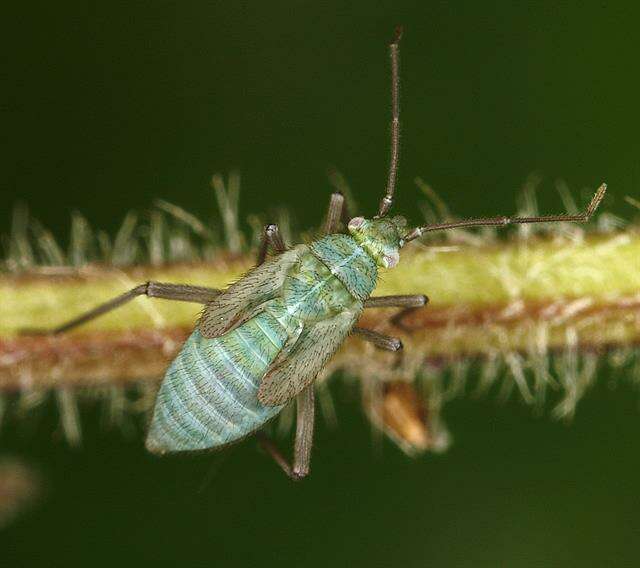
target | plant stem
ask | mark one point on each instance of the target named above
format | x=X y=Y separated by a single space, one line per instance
x=529 y=297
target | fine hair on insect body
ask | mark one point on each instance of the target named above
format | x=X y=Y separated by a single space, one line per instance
x=260 y=343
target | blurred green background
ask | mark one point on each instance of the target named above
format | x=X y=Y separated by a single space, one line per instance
x=107 y=106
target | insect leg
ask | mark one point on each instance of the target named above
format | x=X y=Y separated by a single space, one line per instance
x=409 y=303
x=335 y=213
x=177 y=292
x=269 y=446
x=378 y=339
x=305 y=403
x=270 y=238
x=336 y=179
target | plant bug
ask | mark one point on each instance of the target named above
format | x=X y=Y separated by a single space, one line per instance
x=261 y=342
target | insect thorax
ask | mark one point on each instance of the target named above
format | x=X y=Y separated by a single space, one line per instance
x=348 y=262
x=381 y=238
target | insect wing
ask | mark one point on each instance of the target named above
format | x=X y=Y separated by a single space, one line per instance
x=297 y=367
x=243 y=299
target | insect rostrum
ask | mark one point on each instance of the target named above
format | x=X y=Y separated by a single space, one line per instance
x=261 y=342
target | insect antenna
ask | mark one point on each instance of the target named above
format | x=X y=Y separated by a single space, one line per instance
x=499 y=221
x=394 y=54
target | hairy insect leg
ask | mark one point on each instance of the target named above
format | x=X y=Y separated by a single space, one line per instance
x=305 y=421
x=270 y=238
x=269 y=446
x=378 y=339
x=335 y=213
x=165 y=291
x=342 y=187
x=410 y=303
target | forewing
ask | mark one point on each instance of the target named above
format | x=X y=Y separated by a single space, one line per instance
x=298 y=366
x=242 y=300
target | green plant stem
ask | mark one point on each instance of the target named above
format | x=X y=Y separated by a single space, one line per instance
x=499 y=298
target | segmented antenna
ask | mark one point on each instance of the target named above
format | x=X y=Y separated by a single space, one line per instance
x=492 y=221
x=394 y=54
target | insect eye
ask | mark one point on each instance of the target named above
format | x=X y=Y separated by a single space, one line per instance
x=355 y=223
x=391 y=260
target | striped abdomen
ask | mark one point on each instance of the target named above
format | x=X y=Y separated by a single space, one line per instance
x=209 y=395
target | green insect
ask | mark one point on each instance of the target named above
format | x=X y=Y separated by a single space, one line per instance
x=261 y=342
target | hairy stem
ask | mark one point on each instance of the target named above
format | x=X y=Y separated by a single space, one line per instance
x=526 y=296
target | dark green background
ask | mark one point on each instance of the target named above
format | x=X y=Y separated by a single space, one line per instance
x=106 y=106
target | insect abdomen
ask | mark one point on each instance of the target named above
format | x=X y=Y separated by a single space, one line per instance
x=209 y=395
